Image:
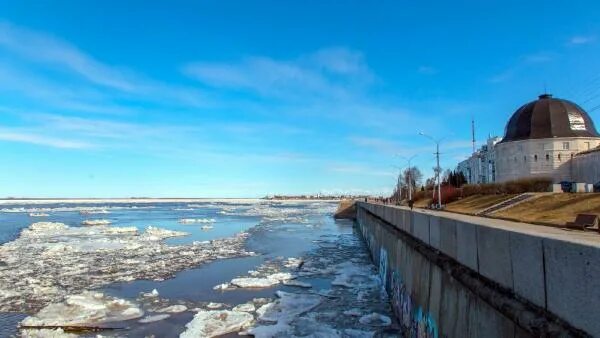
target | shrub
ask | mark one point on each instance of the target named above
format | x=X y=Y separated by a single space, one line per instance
x=534 y=184
x=449 y=194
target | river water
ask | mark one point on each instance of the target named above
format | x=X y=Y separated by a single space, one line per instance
x=328 y=268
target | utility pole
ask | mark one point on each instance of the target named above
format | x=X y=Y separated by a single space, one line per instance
x=473 y=133
x=437 y=155
x=437 y=169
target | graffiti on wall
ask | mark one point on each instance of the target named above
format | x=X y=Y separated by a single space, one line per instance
x=383 y=267
x=415 y=322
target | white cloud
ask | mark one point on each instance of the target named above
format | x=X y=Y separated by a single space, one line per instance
x=581 y=40
x=329 y=72
x=44 y=48
x=11 y=135
x=36 y=47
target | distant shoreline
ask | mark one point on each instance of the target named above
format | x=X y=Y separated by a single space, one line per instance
x=5 y=201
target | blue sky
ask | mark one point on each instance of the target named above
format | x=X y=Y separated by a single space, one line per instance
x=247 y=98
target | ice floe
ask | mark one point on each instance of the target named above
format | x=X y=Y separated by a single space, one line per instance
x=96 y=222
x=196 y=220
x=246 y=307
x=288 y=306
x=154 y=318
x=375 y=319
x=85 y=309
x=38 y=214
x=282 y=312
x=255 y=282
x=297 y=283
x=93 y=211
x=52 y=260
x=47 y=333
x=173 y=309
x=354 y=275
x=215 y=323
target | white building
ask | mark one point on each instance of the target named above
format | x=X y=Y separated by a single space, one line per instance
x=542 y=139
x=480 y=167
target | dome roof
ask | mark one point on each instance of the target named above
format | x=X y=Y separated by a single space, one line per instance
x=548 y=117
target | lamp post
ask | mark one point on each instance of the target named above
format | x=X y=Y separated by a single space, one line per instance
x=408 y=160
x=437 y=171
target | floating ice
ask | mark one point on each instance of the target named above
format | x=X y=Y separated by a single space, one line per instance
x=56 y=333
x=297 y=283
x=38 y=214
x=352 y=333
x=214 y=306
x=156 y=234
x=246 y=307
x=270 y=331
x=353 y=312
x=282 y=312
x=96 y=222
x=224 y=286
x=252 y=282
x=216 y=323
x=353 y=275
x=288 y=306
x=153 y=293
x=206 y=227
x=93 y=211
x=87 y=308
x=293 y=262
x=196 y=220
x=154 y=318
x=375 y=319
x=281 y=276
x=52 y=260
x=173 y=309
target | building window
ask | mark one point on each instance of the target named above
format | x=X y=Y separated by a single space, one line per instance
x=559 y=157
x=535 y=158
x=588 y=146
x=565 y=145
x=524 y=158
x=547 y=157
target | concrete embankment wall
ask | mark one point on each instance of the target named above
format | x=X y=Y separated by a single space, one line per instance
x=453 y=275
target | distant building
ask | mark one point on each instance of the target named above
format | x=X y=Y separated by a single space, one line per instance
x=481 y=167
x=542 y=139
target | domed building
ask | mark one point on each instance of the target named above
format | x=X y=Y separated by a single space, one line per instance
x=542 y=137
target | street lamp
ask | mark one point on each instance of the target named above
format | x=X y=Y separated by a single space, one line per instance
x=437 y=155
x=409 y=159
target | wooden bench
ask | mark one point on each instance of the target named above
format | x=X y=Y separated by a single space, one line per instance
x=583 y=221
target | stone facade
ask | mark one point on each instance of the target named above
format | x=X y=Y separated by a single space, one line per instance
x=541 y=158
x=586 y=167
